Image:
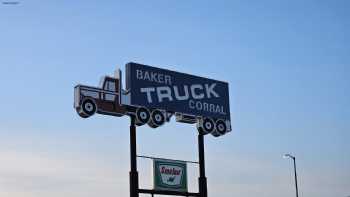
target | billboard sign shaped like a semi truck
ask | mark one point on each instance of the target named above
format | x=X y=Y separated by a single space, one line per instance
x=191 y=98
x=153 y=95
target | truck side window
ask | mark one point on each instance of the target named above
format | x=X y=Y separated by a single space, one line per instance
x=111 y=86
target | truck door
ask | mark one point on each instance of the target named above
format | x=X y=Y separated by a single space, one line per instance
x=110 y=97
x=110 y=86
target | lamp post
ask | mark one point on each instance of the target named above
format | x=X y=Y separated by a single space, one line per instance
x=295 y=171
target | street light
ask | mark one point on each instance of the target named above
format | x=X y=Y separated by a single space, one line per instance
x=295 y=171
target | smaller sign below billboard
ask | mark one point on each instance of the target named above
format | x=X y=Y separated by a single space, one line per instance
x=169 y=175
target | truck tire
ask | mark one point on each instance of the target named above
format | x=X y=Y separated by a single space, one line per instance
x=142 y=116
x=157 y=118
x=88 y=107
x=81 y=113
x=206 y=125
x=215 y=133
x=221 y=127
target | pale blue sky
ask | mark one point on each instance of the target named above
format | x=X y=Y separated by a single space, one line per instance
x=287 y=63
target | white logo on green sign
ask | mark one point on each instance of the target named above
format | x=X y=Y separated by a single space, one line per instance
x=170 y=175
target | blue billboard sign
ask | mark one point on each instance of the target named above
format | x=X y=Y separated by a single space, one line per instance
x=172 y=91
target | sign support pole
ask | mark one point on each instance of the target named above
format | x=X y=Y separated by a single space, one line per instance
x=133 y=174
x=202 y=179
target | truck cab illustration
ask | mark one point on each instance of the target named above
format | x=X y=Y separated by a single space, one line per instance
x=103 y=100
x=107 y=98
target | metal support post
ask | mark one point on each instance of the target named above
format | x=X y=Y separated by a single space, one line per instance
x=133 y=174
x=202 y=179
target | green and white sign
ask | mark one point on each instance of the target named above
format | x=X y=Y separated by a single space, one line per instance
x=170 y=175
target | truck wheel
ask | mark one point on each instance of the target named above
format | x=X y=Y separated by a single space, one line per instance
x=89 y=107
x=157 y=119
x=142 y=116
x=221 y=127
x=206 y=125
